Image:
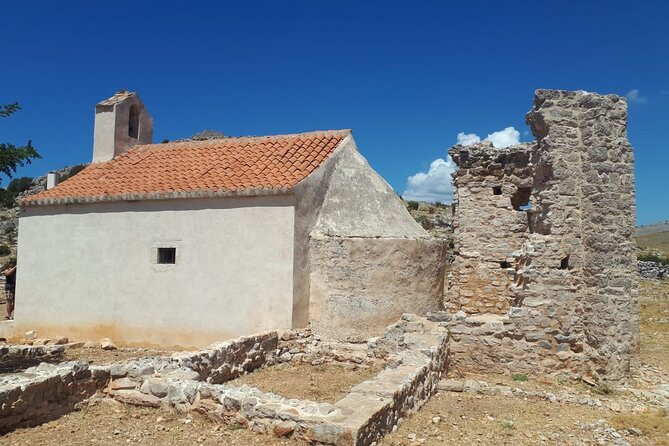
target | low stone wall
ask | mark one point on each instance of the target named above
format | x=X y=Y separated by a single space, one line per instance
x=227 y=360
x=653 y=270
x=416 y=353
x=512 y=343
x=305 y=347
x=46 y=392
x=359 y=286
x=30 y=351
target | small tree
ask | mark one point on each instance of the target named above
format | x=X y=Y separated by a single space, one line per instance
x=14 y=188
x=12 y=157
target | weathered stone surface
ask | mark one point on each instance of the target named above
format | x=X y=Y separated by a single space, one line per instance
x=155 y=386
x=46 y=392
x=122 y=383
x=107 y=344
x=136 y=398
x=451 y=385
x=544 y=234
x=359 y=286
x=227 y=360
x=59 y=340
x=284 y=428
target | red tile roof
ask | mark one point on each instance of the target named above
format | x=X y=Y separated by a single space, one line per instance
x=216 y=167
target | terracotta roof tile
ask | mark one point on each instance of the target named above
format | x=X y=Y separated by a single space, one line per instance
x=245 y=164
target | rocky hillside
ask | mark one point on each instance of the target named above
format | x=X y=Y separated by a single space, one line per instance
x=660 y=226
x=436 y=218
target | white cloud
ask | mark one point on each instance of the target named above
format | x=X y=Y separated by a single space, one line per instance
x=434 y=185
x=504 y=138
x=634 y=97
x=468 y=138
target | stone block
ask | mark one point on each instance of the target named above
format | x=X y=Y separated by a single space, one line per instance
x=136 y=398
x=451 y=385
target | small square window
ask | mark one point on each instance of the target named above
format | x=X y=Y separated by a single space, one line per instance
x=167 y=255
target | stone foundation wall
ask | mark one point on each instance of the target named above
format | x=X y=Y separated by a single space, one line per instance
x=46 y=392
x=359 y=286
x=416 y=352
x=227 y=360
x=569 y=251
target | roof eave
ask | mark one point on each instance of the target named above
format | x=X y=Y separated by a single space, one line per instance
x=53 y=201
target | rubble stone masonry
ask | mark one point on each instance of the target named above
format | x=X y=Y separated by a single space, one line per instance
x=545 y=271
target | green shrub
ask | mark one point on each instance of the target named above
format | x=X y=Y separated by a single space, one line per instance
x=425 y=222
x=603 y=388
x=18 y=185
x=519 y=377
x=5 y=250
x=412 y=205
x=14 y=188
x=652 y=257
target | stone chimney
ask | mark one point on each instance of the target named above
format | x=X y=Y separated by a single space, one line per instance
x=121 y=122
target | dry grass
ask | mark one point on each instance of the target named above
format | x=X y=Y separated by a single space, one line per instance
x=657 y=242
x=654 y=306
x=654 y=426
x=466 y=419
x=322 y=383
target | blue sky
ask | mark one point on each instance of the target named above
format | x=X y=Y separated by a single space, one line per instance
x=406 y=77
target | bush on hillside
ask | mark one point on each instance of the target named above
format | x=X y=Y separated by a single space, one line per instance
x=5 y=250
x=412 y=205
x=72 y=172
x=425 y=222
x=14 y=188
x=652 y=257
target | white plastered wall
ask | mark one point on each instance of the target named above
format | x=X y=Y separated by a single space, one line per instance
x=89 y=271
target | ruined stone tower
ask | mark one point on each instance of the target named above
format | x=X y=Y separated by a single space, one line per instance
x=121 y=122
x=545 y=248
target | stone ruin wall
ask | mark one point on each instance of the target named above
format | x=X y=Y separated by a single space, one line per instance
x=489 y=226
x=545 y=271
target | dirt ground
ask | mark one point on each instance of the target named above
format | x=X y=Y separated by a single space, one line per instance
x=98 y=356
x=456 y=419
x=111 y=423
x=467 y=419
x=323 y=383
x=654 y=303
